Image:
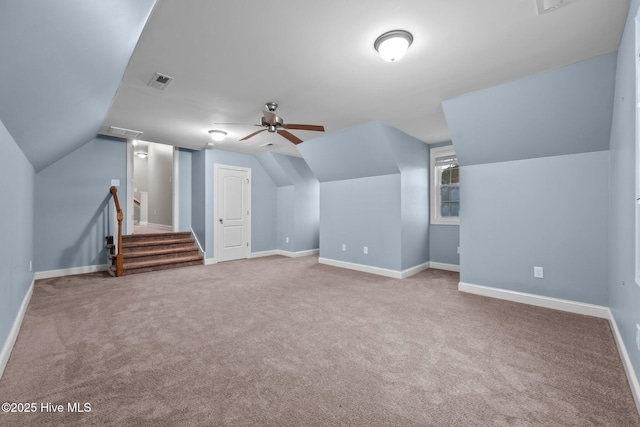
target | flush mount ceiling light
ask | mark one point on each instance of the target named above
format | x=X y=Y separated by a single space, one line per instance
x=217 y=135
x=140 y=150
x=393 y=45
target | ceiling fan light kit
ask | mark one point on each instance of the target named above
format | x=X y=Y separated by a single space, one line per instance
x=393 y=45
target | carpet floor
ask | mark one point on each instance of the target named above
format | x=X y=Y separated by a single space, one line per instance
x=288 y=342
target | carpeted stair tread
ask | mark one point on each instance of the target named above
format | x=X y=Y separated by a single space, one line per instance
x=157 y=252
x=172 y=235
x=156 y=262
x=148 y=269
x=155 y=242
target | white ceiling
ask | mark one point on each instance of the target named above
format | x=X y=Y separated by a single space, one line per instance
x=316 y=59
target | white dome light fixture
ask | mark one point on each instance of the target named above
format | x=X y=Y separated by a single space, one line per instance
x=393 y=45
x=217 y=135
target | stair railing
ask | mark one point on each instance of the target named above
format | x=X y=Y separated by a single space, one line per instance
x=118 y=242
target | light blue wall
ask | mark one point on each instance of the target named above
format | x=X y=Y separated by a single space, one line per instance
x=61 y=65
x=563 y=111
x=286 y=218
x=198 y=196
x=16 y=228
x=374 y=187
x=443 y=243
x=200 y=187
x=357 y=152
x=184 y=188
x=273 y=168
x=73 y=205
x=305 y=203
x=550 y=212
x=624 y=294
x=412 y=158
x=362 y=212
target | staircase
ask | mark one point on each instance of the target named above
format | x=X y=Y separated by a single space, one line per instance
x=152 y=252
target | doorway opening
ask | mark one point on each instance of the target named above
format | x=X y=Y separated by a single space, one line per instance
x=150 y=202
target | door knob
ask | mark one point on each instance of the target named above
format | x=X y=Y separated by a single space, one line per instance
x=220 y=220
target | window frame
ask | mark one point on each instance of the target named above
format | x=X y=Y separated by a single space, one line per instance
x=434 y=185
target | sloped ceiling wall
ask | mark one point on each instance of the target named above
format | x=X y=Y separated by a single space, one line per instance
x=564 y=111
x=60 y=65
x=358 y=152
x=275 y=171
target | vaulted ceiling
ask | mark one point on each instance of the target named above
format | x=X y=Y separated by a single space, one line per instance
x=62 y=62
x=318 y=62
x=60 y=65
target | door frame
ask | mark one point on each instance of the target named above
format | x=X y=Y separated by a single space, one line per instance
x=217 y=241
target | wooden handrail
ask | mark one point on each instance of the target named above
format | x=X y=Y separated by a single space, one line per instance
x=119 y=256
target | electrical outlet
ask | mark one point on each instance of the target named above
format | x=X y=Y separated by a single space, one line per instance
x=366 y=250
x=458 y=250
x=286 y=240
x=638 y=336
x=538 y=272
x=30 y=265
x=115 y=182
x=344 y=246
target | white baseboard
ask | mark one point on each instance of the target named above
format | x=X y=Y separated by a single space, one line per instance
x=414 y=270
x=537 y=300
x=394 y=274
x=210 y=261
x=284 y=253
x=168 y=227
x=626 y=360
x=299 y=253
x=142 y=223
x=443 y=266
x=13 y=334
x=264 y=253
x=70 y=271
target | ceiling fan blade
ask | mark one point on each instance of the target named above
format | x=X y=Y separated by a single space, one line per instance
x=270 y=117
x=252 y=135
x=317 y=128
x=237 y=124
x=291 y=137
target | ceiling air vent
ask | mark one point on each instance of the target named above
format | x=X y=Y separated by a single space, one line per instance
x=545 y=6
x=160 y=81
x=124 y=133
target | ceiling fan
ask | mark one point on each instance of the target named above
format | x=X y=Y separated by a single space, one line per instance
x=274 y=124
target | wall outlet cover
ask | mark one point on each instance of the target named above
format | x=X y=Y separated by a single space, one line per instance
x=538 y=272
x=344 y=246
x=366 y=250
x=638 y=336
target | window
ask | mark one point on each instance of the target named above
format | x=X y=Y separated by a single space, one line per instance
x=445 y=186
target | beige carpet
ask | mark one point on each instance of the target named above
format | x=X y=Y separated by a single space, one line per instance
x=288 y=342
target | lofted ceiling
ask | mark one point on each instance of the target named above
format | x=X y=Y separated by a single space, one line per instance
x=317 y=61
x=60 y=65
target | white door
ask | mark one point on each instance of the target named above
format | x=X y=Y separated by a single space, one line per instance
x=233 y=209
